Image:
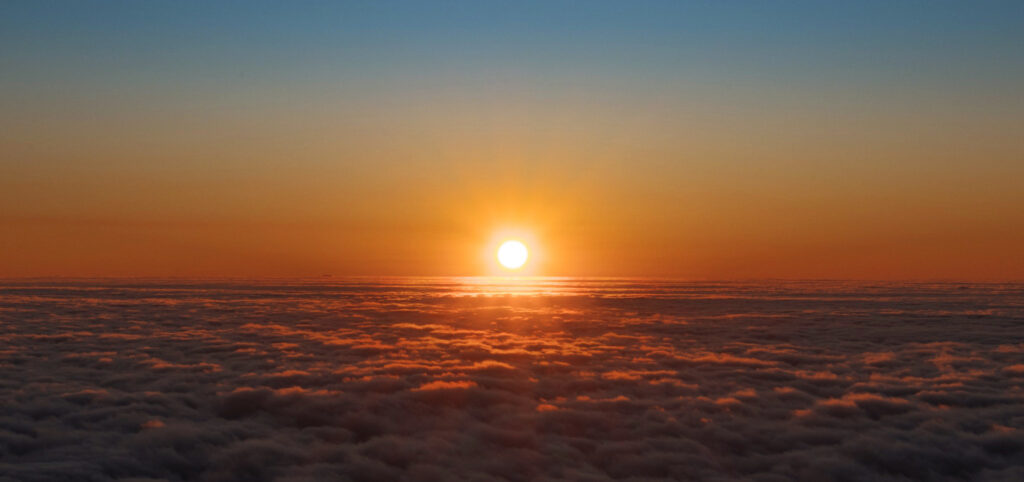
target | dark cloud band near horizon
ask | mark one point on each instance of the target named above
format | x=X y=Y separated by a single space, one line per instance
x=548 y=380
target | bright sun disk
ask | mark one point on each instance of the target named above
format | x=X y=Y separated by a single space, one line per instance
x=512 y=254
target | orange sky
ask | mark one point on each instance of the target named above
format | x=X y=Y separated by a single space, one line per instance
x=188 y=164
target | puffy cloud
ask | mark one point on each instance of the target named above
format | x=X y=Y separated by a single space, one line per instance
x=434 y=380
x=445 y=385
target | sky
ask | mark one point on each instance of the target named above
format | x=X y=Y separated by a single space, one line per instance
x=707 y=140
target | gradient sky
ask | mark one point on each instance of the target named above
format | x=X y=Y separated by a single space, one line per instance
x=684 y=139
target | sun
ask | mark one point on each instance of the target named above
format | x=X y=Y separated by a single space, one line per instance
x=512 y=254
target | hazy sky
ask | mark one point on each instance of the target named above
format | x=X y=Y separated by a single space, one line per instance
x=686 y=139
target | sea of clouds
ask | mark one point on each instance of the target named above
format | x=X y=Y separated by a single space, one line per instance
x=462 y=379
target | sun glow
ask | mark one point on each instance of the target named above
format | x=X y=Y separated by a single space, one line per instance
x=512 y=254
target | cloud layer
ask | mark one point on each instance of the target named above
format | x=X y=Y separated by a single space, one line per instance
x=451 y=379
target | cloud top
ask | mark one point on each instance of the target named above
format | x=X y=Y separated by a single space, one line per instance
x=566 y=380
